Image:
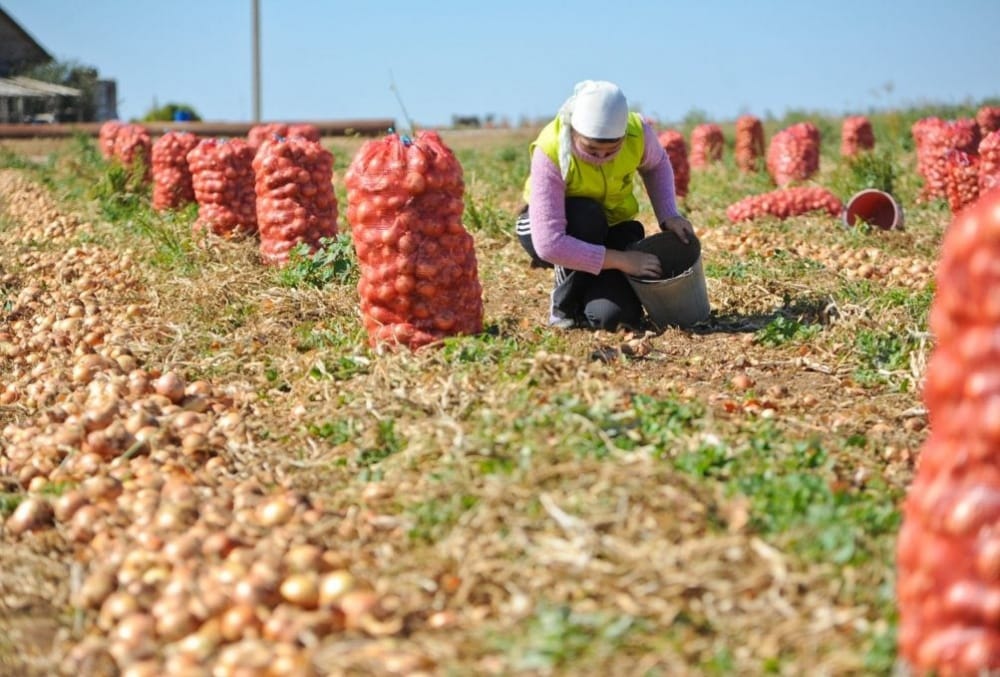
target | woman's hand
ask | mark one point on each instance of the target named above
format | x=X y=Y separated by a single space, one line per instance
x=634 y=263
x=679 y=226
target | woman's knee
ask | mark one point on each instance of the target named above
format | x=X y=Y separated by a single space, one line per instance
x=609 y=315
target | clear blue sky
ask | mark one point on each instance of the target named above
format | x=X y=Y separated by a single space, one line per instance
x=329 y=59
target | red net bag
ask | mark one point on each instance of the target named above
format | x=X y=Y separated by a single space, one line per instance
x=935 y=140
x=963 y=180
x=295 y=199
x=172 y=186
x=106 y=138
x=784 y=203
x=268 y=130
x=673 y=143
x=706 y=145
x=222 y=175
x=793 y=154
x=856 y=135
x=749 y=147
x=988 y=119
x=989 y=162
x=948 y=550
x=419 y=279
x=133 y=148
x=305 y=130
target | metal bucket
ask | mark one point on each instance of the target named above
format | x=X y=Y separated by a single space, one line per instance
x=680 y=298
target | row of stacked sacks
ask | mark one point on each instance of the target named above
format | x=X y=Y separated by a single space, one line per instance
x=419 y=278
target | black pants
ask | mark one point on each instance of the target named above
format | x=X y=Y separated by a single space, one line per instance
x=602 y=301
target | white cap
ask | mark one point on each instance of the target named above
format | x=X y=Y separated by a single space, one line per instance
x=599 y=110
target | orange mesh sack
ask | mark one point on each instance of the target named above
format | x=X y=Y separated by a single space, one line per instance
x=706 y=145
x=749 y=143
x=856 y=135
x=963 y=180
x=133 y=148
x=988 y=119
x=935 y=139
x=106 y=138
x=673 y=143
x=793 y=154
x=268 y=130
x=419 y=279
x=295 y=199
x=305 y=130
x=784 y=203
x=172 y=186
x=948 y=549
x=222 y=175
x=989 y=162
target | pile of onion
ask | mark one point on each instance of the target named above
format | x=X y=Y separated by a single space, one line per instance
x=419 y=279
x=749 y=147
x=295 y=199
x=856 y=135
x=784 y=203
x=948 y=551
x=707 y=143
x=222 y=174
x=172 y=186
x=673 y=143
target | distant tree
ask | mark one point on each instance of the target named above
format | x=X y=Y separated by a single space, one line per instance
x=69 y=74
x=168 y=112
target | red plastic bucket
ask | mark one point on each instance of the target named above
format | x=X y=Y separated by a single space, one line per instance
x=874 y=207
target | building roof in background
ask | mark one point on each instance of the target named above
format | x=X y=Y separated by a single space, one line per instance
x=44 y=88
x=28 y=88
x=17 y=47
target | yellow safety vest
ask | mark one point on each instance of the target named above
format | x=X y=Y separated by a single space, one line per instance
x=611 y=184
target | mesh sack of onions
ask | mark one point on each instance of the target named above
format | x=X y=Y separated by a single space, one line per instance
x=106 y=138
x=419 y=278
x=784 y=203
x=133 y=148
x=673 y=143
x=963 y=180
x=749 y=148
x=706 y=145
x=295 y=199
x=305 y=130
x=988 y=119
x=935 y=139
x=222 y=175
x=856 y=135
x=948 y=550
x=989 y=162
x=268 y=130
x=793 y=154
x=172 y=186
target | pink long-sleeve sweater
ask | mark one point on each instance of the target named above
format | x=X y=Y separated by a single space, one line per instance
x=547 y=209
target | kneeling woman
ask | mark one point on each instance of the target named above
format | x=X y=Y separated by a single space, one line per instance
x=581 y=206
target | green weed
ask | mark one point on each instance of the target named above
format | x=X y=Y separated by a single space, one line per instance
x=334 y=262
x=783 y=330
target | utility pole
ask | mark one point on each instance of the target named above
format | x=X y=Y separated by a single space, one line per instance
x=255 y=37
